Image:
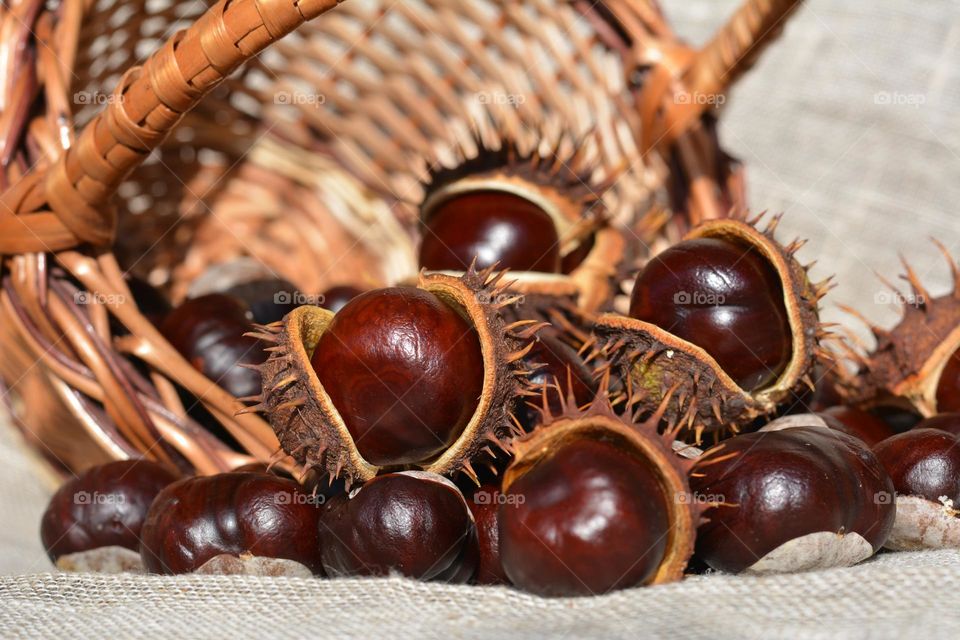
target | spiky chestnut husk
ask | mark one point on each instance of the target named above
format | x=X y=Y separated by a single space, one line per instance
x=312 y=431
x=560 y=184
x=655 y=451
x=906 y=366
x=650 y=360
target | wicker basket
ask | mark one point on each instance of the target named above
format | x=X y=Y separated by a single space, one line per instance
x=307 y=157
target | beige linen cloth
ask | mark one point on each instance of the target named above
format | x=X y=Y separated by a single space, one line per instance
x=850 y=126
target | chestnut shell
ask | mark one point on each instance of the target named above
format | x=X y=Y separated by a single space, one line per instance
x=236 y=514
x=104 y=506
x=413 y=523
x=777 y=486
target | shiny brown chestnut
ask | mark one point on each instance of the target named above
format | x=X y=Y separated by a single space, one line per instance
x=426 y=377
x=493 y=228
x=93 y=522
x=405 y=372
x=414 y=523
x=792 y=498
x=484 y=504
x=858 y=423
x=209 y=332
x=241 y=523
x=595 y=502
x=588 y=520
x=735 y=331
x=925 y=466
x=268 y=299
x=336 y=298
x=724 y=297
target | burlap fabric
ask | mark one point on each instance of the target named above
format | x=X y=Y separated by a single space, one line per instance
x=849 y=125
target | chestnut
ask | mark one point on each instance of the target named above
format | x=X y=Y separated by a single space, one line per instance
x=268 y=299
x=414 y=523
x=493 y=228
x=595 y=502
x=418 y=377
x=248 y=523
x=93 y=521
x=724 y=327
x=336 y=298
x=405 y=372
x=925 y=466
x=858 y=423
x=558 y=370
x=948 y=386
x=791 y=498
x=484 y=504
x=589 y=519
x=944 y=421
x=724 y=297
x=209 y=332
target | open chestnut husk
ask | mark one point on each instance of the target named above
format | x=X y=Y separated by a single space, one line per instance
x=764 y=298
x=794 y=496
x=915 y=365
x=594 y=503
x=423 y=377
x=93 y=521
x=925 y=466
x=536 y=213
x=232 y=523
x=413 y=523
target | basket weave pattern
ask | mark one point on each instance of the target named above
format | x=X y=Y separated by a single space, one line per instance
x=310 y=188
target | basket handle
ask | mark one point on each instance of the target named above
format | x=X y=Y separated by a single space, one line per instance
x=708 y=73
x=69 y=204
